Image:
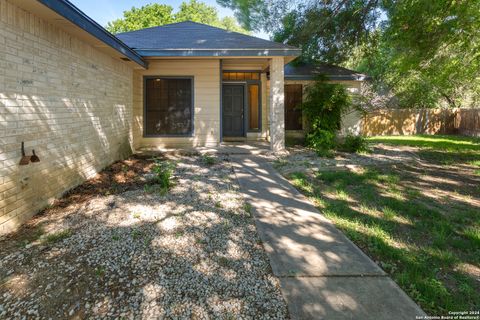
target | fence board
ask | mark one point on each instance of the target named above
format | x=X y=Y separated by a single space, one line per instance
x=467 y=122
x=422 y=121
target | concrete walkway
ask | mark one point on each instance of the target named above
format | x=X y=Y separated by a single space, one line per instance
x=323 y=275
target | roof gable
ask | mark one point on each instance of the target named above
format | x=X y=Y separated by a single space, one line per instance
x=191 y=38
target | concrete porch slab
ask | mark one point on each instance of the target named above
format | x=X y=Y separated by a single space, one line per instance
x=233 y=148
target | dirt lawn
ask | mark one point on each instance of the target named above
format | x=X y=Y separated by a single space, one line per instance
x=412 y=204
x=119 y=246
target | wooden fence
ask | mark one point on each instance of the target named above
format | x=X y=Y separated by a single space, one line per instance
x=467 y=122
x=421 y=121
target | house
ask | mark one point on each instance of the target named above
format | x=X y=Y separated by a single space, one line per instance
x=83 y=98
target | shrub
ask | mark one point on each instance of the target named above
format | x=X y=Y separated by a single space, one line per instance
x=323 y=141
x=353 y=143
x=324 y=106
x=163 y=171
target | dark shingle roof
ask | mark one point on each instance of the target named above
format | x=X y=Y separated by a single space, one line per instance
x=191 y=38
x=310 y=71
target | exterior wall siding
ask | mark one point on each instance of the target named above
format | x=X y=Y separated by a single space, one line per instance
x=65 y=99
x=206 y=78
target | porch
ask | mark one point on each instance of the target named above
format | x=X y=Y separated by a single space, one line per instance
x=187 y=103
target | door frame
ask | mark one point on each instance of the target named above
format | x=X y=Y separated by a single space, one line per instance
x=244 y=126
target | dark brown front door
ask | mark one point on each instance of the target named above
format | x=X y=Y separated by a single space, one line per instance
x=233 y=106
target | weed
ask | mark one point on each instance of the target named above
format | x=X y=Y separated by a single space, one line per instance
x=136 y=234
x=208 y=159
x=100 y=271
x=137 y=215
x=248 y=208
x=388 y=213
x=163 y=171
x=224 y=262
x=58 y=236
x=148 y=188
x=280 y=163
x=179 y=234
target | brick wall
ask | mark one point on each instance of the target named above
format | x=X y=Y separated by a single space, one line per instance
x=65 y=99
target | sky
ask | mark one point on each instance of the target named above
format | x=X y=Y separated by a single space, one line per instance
x=103 y=11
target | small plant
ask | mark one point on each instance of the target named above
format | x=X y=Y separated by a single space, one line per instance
x=224 y=262
x=137 y=215
x=389 y=213
x=280 y=163
x=354 y=144
x=178 y=234
x=58 y=236
x=136 y=234
x=208 y=159
x=248 y=208
x=100 y=271
x=163 y=171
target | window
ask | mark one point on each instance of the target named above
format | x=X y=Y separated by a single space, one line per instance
x=253 y=107
x=240 y=76
x=293 y=115
x=168 y=106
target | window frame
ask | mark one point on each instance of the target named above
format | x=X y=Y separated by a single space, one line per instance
x=192 y=116
x=246 y=110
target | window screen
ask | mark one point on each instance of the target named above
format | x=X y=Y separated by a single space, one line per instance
x=293 y=99
x=168 y=106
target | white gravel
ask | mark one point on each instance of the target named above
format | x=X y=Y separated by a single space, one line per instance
x=192 y=253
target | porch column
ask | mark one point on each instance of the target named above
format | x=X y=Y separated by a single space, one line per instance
x=277 y=105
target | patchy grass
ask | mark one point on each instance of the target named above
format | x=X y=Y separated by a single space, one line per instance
x=417 y=241
x=57 y=236
x=447 y=150
x=437 y=142
x=421 y=223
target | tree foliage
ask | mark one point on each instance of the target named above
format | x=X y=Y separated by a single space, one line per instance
x=324 y=106
x=426 y=53
x=152 y=15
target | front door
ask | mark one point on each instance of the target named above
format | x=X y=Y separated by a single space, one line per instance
x=233 y=106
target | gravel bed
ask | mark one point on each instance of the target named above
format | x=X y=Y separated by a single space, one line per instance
x=190 y=253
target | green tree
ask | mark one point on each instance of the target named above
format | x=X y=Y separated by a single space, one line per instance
x=426 y=53
x=430 y=61
x=198 y=12
x=325 y=30
x=152 y=15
